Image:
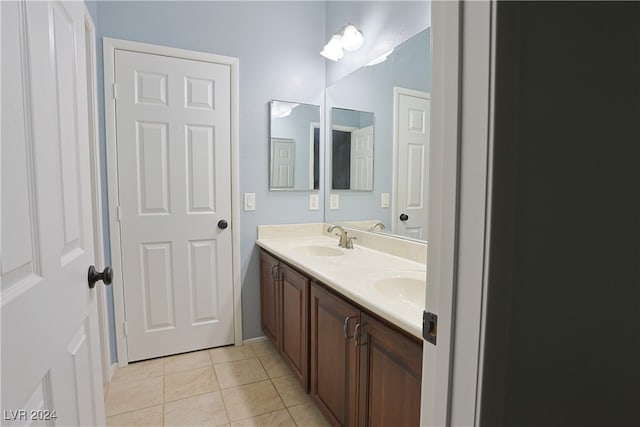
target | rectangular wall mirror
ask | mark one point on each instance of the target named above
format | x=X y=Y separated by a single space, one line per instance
x=396 y=89
x=352 y=136
x=294 y=131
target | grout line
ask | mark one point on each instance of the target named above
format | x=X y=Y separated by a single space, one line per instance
x=224 y=405
x=133 y=410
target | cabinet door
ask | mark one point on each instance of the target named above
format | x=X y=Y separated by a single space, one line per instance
x=334 y=361
x=390 y=376
x=269 y=301
x=295 y=322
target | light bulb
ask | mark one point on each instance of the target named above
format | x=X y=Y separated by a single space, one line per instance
x=352 y=38
x=333 y=49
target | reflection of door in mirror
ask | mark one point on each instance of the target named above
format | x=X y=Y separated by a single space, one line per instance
x=314 y=162
x=341 y=158
x=362 y=159
x=352 y=142
x=411 y=145
x=282 y=163
x=352 y=158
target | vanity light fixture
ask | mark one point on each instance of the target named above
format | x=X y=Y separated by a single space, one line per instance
x=333 y=49
x=348 y=38
x=352 y=38
x=282 y=109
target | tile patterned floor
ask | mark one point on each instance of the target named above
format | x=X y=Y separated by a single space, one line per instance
x=230 y=386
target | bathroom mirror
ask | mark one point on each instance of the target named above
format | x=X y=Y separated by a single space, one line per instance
x=396 y=92
x=294 y=146
x=352 y=136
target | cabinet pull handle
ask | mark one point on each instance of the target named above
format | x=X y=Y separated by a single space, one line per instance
x=345 y=328
x=357 y=334
x=273 y=271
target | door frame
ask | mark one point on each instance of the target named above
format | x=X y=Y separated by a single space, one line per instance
x=397 y=91
x=96 y=194
x=110 y=45
x=463 y=35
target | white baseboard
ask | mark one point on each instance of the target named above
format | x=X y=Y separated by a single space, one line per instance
x=256 y=339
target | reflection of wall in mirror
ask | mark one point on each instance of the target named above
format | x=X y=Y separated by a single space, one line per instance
x=371 y=89
x=296 y=127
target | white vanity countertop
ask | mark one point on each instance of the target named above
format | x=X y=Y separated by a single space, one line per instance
x=355 y=274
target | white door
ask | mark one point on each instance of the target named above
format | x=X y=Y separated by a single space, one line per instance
x=174 y=183
x=362 y=159
x=412 y=129
x=282 y=161
x=50 y=340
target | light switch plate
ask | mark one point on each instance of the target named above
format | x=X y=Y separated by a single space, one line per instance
x=384 y=200
x=314 y=202
x=334 y=202
x=249 y=201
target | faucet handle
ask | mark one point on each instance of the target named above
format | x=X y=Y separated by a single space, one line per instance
x=350 y=242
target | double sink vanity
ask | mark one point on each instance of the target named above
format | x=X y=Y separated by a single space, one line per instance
x=348 y=321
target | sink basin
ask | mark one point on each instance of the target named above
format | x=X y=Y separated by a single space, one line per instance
x=318 y=251
x=409 y=286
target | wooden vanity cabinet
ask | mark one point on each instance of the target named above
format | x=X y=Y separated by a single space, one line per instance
x=284 y=305
x=334 y=357
x=269 y=300
x=294 y=309
x=363 y=372
x=390 y=376
x=359 y=370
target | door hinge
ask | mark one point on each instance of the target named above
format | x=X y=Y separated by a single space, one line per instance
x=430 y=327
x=115 y=91
x=124 y=328
x=118 y=213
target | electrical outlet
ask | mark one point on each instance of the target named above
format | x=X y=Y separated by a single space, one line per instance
x=384 y=200
x=314 y=202
x=334 y=202
x=249 y=201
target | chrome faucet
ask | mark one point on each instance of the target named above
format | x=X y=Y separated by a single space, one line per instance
x=345 y=241
x=378 y=224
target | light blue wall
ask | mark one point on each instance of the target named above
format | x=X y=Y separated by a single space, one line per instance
x=384 y=24
x=371 y=89
x=277 y=44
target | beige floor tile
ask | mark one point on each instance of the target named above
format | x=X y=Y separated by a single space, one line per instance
x=251 y=400
x=139 y=371
x=308 y=415
x=189 y=383
x=204 y=410
x=274 y=365
x=290 y=390
x=127 y=397
x=263 y=347
x=187 y=361
x=152 y=417
x=231 y=353
x=240 y=372
x=279 y=418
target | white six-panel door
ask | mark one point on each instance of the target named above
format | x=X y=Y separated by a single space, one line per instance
x=174 y=185
x=50 y=340
x=412 y=129
x=361 y=178
x=282 y=162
